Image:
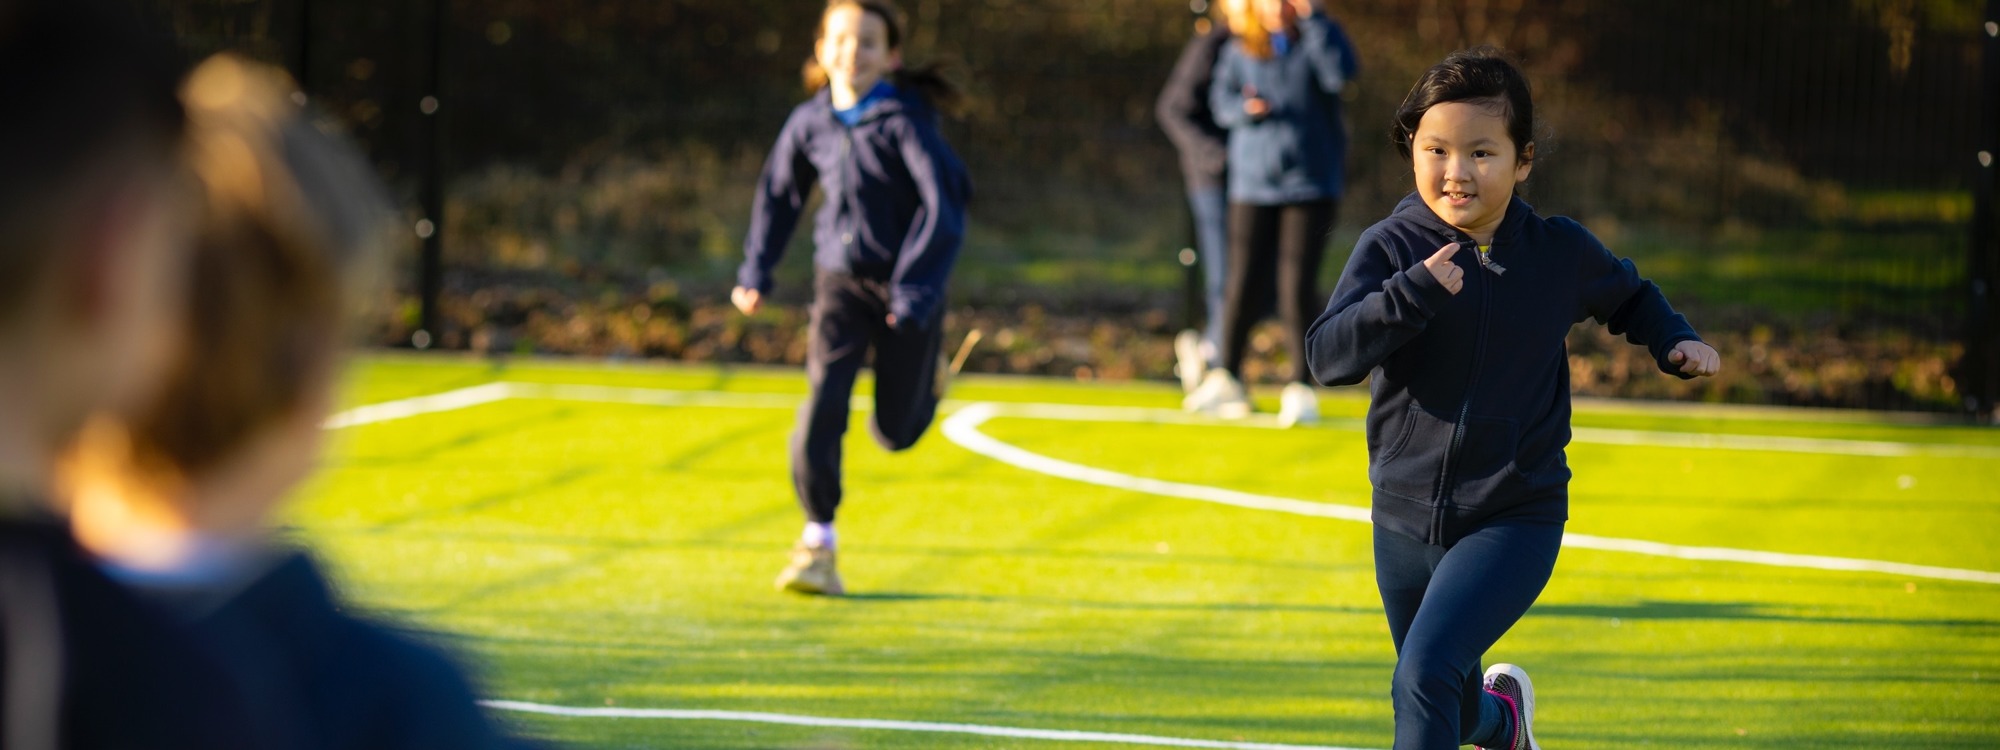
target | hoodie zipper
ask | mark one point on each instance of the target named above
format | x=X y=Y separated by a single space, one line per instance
x=1486 y=262
x=1448 y=470
x=846 y=212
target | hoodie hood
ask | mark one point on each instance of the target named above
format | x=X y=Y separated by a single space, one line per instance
x=900 y=100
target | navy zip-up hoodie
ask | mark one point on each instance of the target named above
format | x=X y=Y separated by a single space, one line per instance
x=1470 y=409
x=895 y=200
x=1298 y=150
x=321 y=677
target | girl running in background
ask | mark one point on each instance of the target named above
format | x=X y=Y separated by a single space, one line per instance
x=1277 y=89
x=1456 y=308
x=885 y=240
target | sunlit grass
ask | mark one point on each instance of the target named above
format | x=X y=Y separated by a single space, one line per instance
x=599 y=554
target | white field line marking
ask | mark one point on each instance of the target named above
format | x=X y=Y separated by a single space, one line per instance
x=1775 y=559
x=498 y=391
x=431 y=404
x=1058 y=735
x=1778 y=443
x=962 y=428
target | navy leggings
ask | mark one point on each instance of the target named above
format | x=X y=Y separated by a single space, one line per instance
x=1446 y=606
x=850 y=318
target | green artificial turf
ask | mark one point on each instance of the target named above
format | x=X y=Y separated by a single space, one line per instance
x=596 y=554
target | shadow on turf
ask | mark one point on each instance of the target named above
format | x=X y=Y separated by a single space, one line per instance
x=694 y=454
x=567 y=476
x=868 y=597
x=408 y=455
x=1657 y=610
x=883 y=550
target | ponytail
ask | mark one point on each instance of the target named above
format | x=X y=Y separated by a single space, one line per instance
x=929 y=81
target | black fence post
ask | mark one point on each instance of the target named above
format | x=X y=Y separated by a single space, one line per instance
x=430 y=228
x=301 y=56
x=1981 y=370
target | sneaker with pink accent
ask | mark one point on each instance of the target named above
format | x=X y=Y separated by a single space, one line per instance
x=1511 y=684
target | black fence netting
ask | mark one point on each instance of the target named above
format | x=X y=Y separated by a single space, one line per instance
x=1796 y=174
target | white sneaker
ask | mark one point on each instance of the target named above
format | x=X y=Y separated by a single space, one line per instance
x=1298 y=406
x=1518 y=694
x=1219 y=394
x=1188 y=362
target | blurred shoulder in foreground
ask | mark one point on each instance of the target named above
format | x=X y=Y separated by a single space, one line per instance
x=178 y=501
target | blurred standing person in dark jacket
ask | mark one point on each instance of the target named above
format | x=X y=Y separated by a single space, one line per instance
x=93 y=249
x=1183 y=113
x=1277 y=89
x=176 y=500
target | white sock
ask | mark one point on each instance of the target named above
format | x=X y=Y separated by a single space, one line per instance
x=818 y=535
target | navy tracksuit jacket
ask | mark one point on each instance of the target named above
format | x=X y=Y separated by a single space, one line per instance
x=885 y=241
x=895 y=200
x=1470 y=409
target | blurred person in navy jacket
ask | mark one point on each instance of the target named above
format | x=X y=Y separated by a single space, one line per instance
x=176 y=500
x=93 y=248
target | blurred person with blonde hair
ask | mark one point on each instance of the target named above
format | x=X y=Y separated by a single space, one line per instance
x=93 y=252
x=177 y=501
x=1277 y=90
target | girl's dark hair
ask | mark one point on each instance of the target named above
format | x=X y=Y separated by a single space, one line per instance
x=928 y=80
x=1481 y=74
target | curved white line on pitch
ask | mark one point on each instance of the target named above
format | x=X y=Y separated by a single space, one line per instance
x=502 y=390
x=1056 y=735
x=963 y=428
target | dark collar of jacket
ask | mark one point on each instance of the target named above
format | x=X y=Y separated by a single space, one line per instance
x=904 y=101
x=1412 y=209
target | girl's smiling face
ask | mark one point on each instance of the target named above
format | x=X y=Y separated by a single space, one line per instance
x=1467 y=166
x=853 y=48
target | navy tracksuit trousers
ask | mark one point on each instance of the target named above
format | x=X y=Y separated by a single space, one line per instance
x=850 y=318
x=1446 y=607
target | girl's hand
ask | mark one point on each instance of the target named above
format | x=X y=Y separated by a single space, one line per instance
x=746 y=299
x=1445 y=271
x=1696 y=358
x=1253 y=105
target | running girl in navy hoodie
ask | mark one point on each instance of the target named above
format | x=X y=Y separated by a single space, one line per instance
x=886 y=236
x=1456 y=307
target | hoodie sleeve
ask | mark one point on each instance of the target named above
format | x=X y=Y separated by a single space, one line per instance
x=1328 y=51
x=1182 y=109
x=1225 y=93
x=1378 y=306
x=782 y=190
x=916 y=287
x=1616 y=296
